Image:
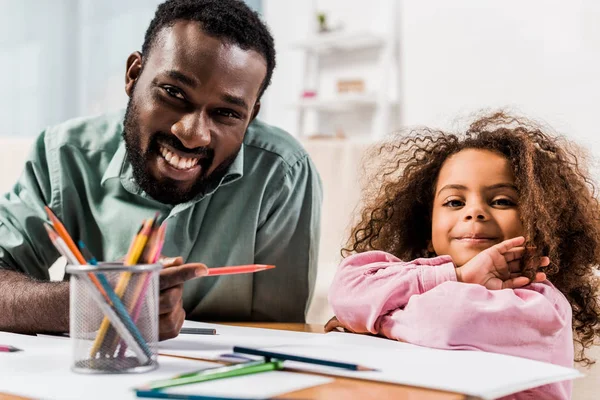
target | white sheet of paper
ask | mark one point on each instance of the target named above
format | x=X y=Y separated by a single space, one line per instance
x=210 y=347
x=42 y=370
x=474 y=373
x=46 y=363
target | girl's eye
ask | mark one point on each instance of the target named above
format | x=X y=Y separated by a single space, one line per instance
x=504 y=202
x=453 y=203
x=174 y=92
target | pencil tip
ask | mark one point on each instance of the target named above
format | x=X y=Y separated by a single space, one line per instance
x=361 y=368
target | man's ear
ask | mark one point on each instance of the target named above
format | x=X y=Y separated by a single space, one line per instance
x=133 y=71
x=255 y=111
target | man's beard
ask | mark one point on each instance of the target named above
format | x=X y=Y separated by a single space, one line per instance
x=167 y=190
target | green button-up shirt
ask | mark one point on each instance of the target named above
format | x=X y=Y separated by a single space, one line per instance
x=266 y=210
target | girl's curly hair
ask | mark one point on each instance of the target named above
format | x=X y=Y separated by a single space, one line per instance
x=557 y=204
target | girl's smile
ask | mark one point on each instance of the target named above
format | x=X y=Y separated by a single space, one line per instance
x=475 y=205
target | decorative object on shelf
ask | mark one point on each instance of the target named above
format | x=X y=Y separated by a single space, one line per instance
x=350 y=86
x=309 y=94
x=339 y=135
x=331 y=90
x=322 y=19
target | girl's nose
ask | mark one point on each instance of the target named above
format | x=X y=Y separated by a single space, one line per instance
x=476 y=212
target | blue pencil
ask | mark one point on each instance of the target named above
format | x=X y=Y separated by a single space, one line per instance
x=117 y=304
x=309 y=360
x=157 y=394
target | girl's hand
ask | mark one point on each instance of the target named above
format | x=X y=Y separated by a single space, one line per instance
x=499 y=266
x=334 y=324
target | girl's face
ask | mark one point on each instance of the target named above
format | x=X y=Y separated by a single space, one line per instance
x=475 y=205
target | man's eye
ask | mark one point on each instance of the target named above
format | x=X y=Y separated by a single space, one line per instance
x=453 y=203
x=173 y=92
x=227 y=113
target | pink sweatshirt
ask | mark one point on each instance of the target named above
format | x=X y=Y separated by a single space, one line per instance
x=420 y=302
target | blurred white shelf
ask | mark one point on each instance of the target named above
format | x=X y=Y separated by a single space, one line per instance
x=341 y=41
x=340 y=103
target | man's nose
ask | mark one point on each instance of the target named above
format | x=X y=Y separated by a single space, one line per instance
x=193 y=130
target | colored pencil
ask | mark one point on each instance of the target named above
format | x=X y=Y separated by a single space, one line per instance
x=239 y=269
x=229 y=371
x=115 y=302
x=97 y=293
x=65 y=250
x=131 y=258
x=142 y=354
x=309 y=360
x=105 y=297
x=146 y=256
x=73 y=252
x=197 y=331
x=64 y=234
x=137 y=300
x=157 y=394
x=140 y=346
x=8 y=349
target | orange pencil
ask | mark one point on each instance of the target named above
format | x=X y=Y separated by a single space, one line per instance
x=152 y=241
x=239 y=269
x=62 y=232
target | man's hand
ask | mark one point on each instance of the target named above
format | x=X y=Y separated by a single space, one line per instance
x=499 y=266
x=172 y=278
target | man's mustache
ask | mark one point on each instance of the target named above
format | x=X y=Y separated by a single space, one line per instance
x=172 y=141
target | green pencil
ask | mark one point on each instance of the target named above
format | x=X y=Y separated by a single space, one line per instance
x=253 y=367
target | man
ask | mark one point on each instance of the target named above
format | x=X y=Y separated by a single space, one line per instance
x=233 y=189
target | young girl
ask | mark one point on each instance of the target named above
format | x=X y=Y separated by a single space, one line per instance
x=503 y=231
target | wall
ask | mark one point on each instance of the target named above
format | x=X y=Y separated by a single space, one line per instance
x=61 y=59
x=538 y=57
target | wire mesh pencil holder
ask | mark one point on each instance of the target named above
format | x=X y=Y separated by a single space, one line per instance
x=114 y=317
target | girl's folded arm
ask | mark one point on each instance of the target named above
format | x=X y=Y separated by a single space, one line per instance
x=522 y=322
x=371 y=284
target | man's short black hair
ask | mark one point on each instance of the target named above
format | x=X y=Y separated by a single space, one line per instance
x=232 y=20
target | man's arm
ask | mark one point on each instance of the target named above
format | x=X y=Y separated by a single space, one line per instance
x=31 y=306
x=28 y=302
x=289 y=239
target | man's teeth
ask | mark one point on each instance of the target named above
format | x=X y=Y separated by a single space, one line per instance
x=178 y=162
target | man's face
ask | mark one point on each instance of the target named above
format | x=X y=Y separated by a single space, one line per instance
x=189 y=107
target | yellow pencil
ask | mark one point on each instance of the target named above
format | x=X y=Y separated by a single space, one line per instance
x=134 y=253
x=148 y=247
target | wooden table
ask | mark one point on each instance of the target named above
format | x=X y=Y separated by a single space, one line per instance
x=340 y=388
x=347 y=388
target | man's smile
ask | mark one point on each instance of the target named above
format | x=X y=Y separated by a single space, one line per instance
x=180 y=166
x=178 y=160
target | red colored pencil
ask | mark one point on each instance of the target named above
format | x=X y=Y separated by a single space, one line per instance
x=239 y=269
x=8 y=349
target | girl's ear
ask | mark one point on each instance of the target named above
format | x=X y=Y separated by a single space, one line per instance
x=430 y=247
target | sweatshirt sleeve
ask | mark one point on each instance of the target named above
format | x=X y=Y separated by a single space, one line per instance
x=421 y=303
x=372 y=284
x=523 y=322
